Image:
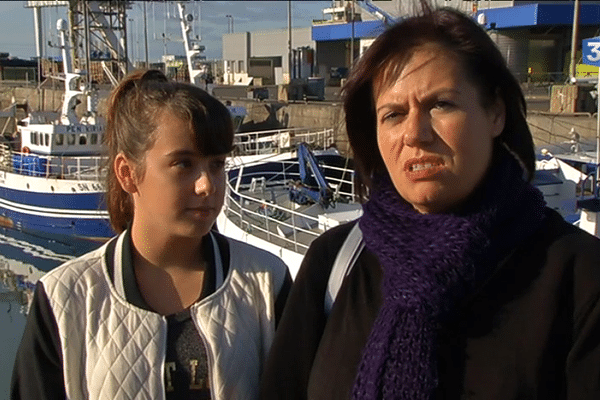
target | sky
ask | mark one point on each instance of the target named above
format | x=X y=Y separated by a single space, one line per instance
x=17 y=29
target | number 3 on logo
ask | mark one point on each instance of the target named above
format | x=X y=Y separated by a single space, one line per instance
x=595 y=49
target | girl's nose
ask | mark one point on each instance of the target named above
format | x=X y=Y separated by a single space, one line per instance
x=203 y=185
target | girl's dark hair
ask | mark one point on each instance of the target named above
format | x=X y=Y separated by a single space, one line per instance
x=134 y=109
x=385 y=58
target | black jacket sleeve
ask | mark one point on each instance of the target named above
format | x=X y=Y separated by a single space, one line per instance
x=299 y=332
x=583 y=360
x=38 y=368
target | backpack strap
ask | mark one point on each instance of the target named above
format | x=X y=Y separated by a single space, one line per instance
x=344 y=261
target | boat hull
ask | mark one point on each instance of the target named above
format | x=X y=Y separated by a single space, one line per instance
x=62 y=207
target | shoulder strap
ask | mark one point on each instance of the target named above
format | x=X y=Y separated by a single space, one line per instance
x=344 y=261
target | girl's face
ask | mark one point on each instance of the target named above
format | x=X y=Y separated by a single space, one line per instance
x=433 y=133
x=181 y=191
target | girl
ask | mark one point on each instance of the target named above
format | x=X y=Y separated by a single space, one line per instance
x=168 y=308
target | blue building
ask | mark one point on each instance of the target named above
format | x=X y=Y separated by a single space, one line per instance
x=534 y=37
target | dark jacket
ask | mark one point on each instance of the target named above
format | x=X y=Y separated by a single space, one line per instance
x=532 y=331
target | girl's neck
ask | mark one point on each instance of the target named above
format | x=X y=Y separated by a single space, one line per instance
x=170 y=272
x=167 y=252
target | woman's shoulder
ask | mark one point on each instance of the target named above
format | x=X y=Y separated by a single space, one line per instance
x=567 y=240
x=567 y=255
x=335 y=236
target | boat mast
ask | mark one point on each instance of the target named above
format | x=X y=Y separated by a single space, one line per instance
x=192 y=51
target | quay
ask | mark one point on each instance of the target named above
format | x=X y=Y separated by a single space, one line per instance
x=547 y=127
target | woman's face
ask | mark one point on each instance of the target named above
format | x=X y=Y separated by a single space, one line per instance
x=433 y=133
x=181 y=191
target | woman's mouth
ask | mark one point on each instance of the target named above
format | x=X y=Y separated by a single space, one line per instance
x=424 y=167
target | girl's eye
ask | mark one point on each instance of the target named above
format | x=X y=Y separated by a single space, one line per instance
x=182 y=164
x=218 y=165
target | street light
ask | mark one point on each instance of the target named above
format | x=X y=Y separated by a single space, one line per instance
x=229 y=23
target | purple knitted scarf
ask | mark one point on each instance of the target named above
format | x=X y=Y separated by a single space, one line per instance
x=429 y=262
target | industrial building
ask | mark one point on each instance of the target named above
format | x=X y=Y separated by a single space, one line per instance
x=534 y=37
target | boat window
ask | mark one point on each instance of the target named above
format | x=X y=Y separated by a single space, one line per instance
x=47 y=139
x=82 y=139
x=59 y=139
x=71 y=139
x=93 y=138
x=34 y=139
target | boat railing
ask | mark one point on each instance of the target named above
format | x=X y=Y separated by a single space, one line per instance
x=281 y=140
x=275 y=220
x=57 y=167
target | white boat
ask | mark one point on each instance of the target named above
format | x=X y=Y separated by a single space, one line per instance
x=51 y=179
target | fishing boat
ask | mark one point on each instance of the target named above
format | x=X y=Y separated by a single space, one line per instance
x=51 y=177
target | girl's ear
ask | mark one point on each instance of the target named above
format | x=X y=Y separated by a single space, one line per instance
x=124 y=170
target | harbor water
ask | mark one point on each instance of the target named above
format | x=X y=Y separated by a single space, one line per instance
x=24 y=258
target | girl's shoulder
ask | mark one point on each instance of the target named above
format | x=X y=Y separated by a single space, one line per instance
x=85 y=269
x=246 y=257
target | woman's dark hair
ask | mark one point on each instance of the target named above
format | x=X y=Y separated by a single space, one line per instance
x=134 y=110
x=385 y=58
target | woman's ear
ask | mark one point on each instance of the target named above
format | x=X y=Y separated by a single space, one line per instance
x=124 y=170
x=498 y=115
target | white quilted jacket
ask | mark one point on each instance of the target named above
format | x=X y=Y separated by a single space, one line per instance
x=114 y=350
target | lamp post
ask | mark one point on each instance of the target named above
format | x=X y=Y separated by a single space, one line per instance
x=229 y=23
x=290 y=64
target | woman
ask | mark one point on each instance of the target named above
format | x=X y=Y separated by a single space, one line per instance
x=468 y=286
x=168 y=308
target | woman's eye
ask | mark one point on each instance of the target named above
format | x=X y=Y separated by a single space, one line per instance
x=391 y=116
x=443 y=105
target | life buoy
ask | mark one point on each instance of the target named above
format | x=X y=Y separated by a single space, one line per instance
x=25 y=150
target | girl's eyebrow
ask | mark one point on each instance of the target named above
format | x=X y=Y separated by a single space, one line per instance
x=181 y=152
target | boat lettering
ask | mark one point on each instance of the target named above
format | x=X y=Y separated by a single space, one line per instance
x=83 y=128
x=91 y=187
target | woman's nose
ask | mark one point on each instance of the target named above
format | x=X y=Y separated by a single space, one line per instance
x=419 y=130
x=203 y=185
